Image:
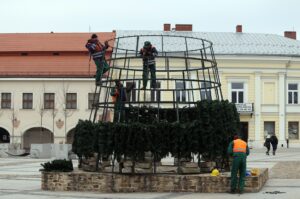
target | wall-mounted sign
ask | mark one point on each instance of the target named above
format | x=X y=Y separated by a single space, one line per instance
x=244 y=107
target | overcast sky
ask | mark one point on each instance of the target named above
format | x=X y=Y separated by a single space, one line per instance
x=259 y=16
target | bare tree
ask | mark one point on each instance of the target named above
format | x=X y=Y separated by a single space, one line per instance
x=54 y=112
x=13 y=119
x=66 y=112
x=14 y=123
x=41 y=109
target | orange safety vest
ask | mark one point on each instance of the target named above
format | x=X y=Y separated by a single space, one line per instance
x=239 y=146
x=116 y=95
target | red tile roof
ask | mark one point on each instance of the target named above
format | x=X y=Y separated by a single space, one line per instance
x=73 y=60
x=27 y=42
x=46 y=66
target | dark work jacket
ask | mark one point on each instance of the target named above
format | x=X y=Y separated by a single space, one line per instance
x=267 y=142
x=148 y=55
x=274 y=141
x=96 y=49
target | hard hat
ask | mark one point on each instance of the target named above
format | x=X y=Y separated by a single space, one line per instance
x=94 y=36
x=248 y=173
x=215 y=172
x=147 y=44
x=254 y=172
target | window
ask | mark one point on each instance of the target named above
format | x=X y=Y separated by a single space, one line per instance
x=71 y=101
x=131 y=96
x=293 y=130
x=27 y=100
x=180 y=91
x=205 y=91
x=91 y=100
x=6 y=100
x=293 y=93
x=49 y=100
x=237 y=92
x=155 y=93
x=269 y=128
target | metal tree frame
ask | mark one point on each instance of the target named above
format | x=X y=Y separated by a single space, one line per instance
x=186 y=70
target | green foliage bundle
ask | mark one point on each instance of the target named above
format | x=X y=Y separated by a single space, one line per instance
x=204 y=130
x=58 y=165
x=84 y=137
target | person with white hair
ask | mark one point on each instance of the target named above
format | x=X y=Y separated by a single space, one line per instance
x=267 y=144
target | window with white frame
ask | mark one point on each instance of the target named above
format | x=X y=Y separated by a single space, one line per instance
x=205 y=91
x=293 y=93
x=155 y=94
x=27 y=100
x=237 y=92
x=92 y=97
x=132 y=95
x=71 y=101
x=49 y=100
x=180 y=91
x=6 y=100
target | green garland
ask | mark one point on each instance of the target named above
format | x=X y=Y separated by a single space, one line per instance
x=204 y=130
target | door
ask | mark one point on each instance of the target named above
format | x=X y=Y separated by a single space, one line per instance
x=244 y=131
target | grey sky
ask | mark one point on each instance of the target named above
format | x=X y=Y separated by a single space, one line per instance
x=260 y=16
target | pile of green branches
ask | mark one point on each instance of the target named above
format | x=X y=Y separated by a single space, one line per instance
x=58 y=165
x=205 y=131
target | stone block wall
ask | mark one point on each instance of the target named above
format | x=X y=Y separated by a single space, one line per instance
x=113 y=182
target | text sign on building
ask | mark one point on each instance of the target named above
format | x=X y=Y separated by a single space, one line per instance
x=244 y=107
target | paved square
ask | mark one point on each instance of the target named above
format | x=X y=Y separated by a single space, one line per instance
x=20 y=179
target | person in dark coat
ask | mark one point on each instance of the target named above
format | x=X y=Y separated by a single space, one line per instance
x=274 y=143
x=119 y=96
x=267 y=144
x=148 y=53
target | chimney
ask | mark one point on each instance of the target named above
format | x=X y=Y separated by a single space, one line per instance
x=290 y=34
x=184 y=27
x=167 y=27
x=239 y=28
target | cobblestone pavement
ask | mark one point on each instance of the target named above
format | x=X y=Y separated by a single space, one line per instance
x=286 y=170
x=20 y=179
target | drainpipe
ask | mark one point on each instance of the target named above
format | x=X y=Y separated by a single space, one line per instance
x=288 y=64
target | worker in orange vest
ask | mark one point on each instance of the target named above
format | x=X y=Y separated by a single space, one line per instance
x=119 y=97
x=97 y=51
x=238 y=148
x=148 y=53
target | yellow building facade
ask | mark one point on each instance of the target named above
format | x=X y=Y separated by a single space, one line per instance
x=270 y=85
x=260 y=73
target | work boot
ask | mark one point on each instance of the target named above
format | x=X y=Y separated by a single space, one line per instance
x=232 y=191
x=98 y=83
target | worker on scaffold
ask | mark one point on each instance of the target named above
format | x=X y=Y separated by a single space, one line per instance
x=97 y=51
x=148 y=53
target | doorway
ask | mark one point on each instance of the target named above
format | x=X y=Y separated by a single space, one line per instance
x=244 y=131
x=4 y=136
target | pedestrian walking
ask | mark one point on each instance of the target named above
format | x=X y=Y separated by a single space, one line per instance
x=267 y=144
x=274 y=143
